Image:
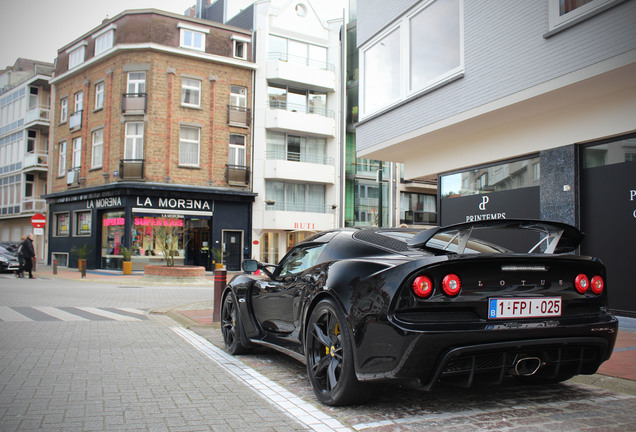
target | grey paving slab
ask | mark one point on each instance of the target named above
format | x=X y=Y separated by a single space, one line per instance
x=105 y=375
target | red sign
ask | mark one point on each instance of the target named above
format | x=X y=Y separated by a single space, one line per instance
x=38 y=220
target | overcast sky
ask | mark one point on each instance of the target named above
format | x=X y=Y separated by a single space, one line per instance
x=36 y=29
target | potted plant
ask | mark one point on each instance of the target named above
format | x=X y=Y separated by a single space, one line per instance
x=126 y=264
x=82 y=253
x=217 y=257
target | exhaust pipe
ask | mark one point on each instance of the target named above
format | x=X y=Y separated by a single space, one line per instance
x=527 y=366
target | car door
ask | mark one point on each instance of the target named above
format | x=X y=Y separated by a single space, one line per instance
x=277 y=301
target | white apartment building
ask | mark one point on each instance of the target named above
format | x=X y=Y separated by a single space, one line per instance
x=296 y=119
x=24 y=132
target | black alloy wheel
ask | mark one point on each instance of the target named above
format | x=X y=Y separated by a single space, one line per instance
x=329 y=357
x=231 y=326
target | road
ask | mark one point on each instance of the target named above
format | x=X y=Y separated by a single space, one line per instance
x=95 y=356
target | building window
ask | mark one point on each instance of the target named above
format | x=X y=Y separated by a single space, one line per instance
x=239 y=45
x=63 y=110
x=79 y=101
x=237 y=150
x=98 y=148
x=191 y=92
x=61 y=224
x=136 y=82
x=295 y=197
x=99 y=95
x=76 y=55
x=77 y=153
x=298 y=100
x=418 y=208
x=290 y=50
x=192 y=37
x=61 y=161
x=83 y=223
x=189 y=141
x=104 y=39
x=564 y=13
x=297 y=148
x=422 y=50
x=134 y=146
x=238 y=96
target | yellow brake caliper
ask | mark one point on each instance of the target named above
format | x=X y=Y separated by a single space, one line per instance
x=332 y=350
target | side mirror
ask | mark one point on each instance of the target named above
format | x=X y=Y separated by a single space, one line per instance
x=250 y=265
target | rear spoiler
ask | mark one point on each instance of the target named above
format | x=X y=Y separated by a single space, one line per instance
x=556 y=237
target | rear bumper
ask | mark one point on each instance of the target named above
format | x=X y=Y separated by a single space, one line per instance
x=422 y=359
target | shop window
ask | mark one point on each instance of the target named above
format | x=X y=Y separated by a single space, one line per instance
x=608 y=153
x=513 y=175
x=82 y=223
x=61 y=258
x=113 y=225
x=145 y=236
x=269 y=248
x=62 y=224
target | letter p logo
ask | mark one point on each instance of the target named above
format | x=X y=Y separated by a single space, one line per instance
x=484 y=201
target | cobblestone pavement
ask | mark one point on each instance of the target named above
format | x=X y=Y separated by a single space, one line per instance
x=511 y=407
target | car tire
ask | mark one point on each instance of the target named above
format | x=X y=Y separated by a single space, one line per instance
x=232 y=327
x=329 y=355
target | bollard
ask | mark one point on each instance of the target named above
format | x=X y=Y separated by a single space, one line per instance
x=83 y=264
x=54 y=266
x=220 y=280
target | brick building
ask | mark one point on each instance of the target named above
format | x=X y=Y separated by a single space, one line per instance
x=151 y=127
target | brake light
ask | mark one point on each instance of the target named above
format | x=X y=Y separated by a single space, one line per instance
x=423 y=286
x=581 y=283
x=451 y=285
x=597 y=285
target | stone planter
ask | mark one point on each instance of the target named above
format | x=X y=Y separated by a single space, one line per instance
x=175 y=274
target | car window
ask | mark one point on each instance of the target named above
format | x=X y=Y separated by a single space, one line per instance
x=300 y=258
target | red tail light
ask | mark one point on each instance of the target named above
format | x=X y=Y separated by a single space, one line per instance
x=581 y=283
x=597 y=285
x=451 y=285
x=423 y=286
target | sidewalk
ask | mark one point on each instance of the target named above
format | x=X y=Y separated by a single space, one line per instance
x=622 y=364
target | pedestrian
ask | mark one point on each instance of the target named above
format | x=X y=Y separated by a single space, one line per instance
x=28 y=252
x=19 y=273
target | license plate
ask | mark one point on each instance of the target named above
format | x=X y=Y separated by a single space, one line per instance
x=524 y=307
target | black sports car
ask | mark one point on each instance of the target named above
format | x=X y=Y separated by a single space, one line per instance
x=458 y=304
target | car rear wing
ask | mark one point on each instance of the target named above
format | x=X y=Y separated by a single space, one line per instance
x=555 y=237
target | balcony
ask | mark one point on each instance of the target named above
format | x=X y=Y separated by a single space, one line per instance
x=75 y=121
x=38 y=118
x=133 y=103
x=292 y=216
x=237 y=175
x=73 y=177
x=35 y=162
x=238 y=116
x=288 y=69
x=286 y=117
x=32 y=205
x=131 y=169
x=322 y=168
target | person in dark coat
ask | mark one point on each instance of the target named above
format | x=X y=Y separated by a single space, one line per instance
x=19 y=273
x=28 y=252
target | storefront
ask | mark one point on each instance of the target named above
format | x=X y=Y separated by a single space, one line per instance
x=207 y=224
x=591 y=186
